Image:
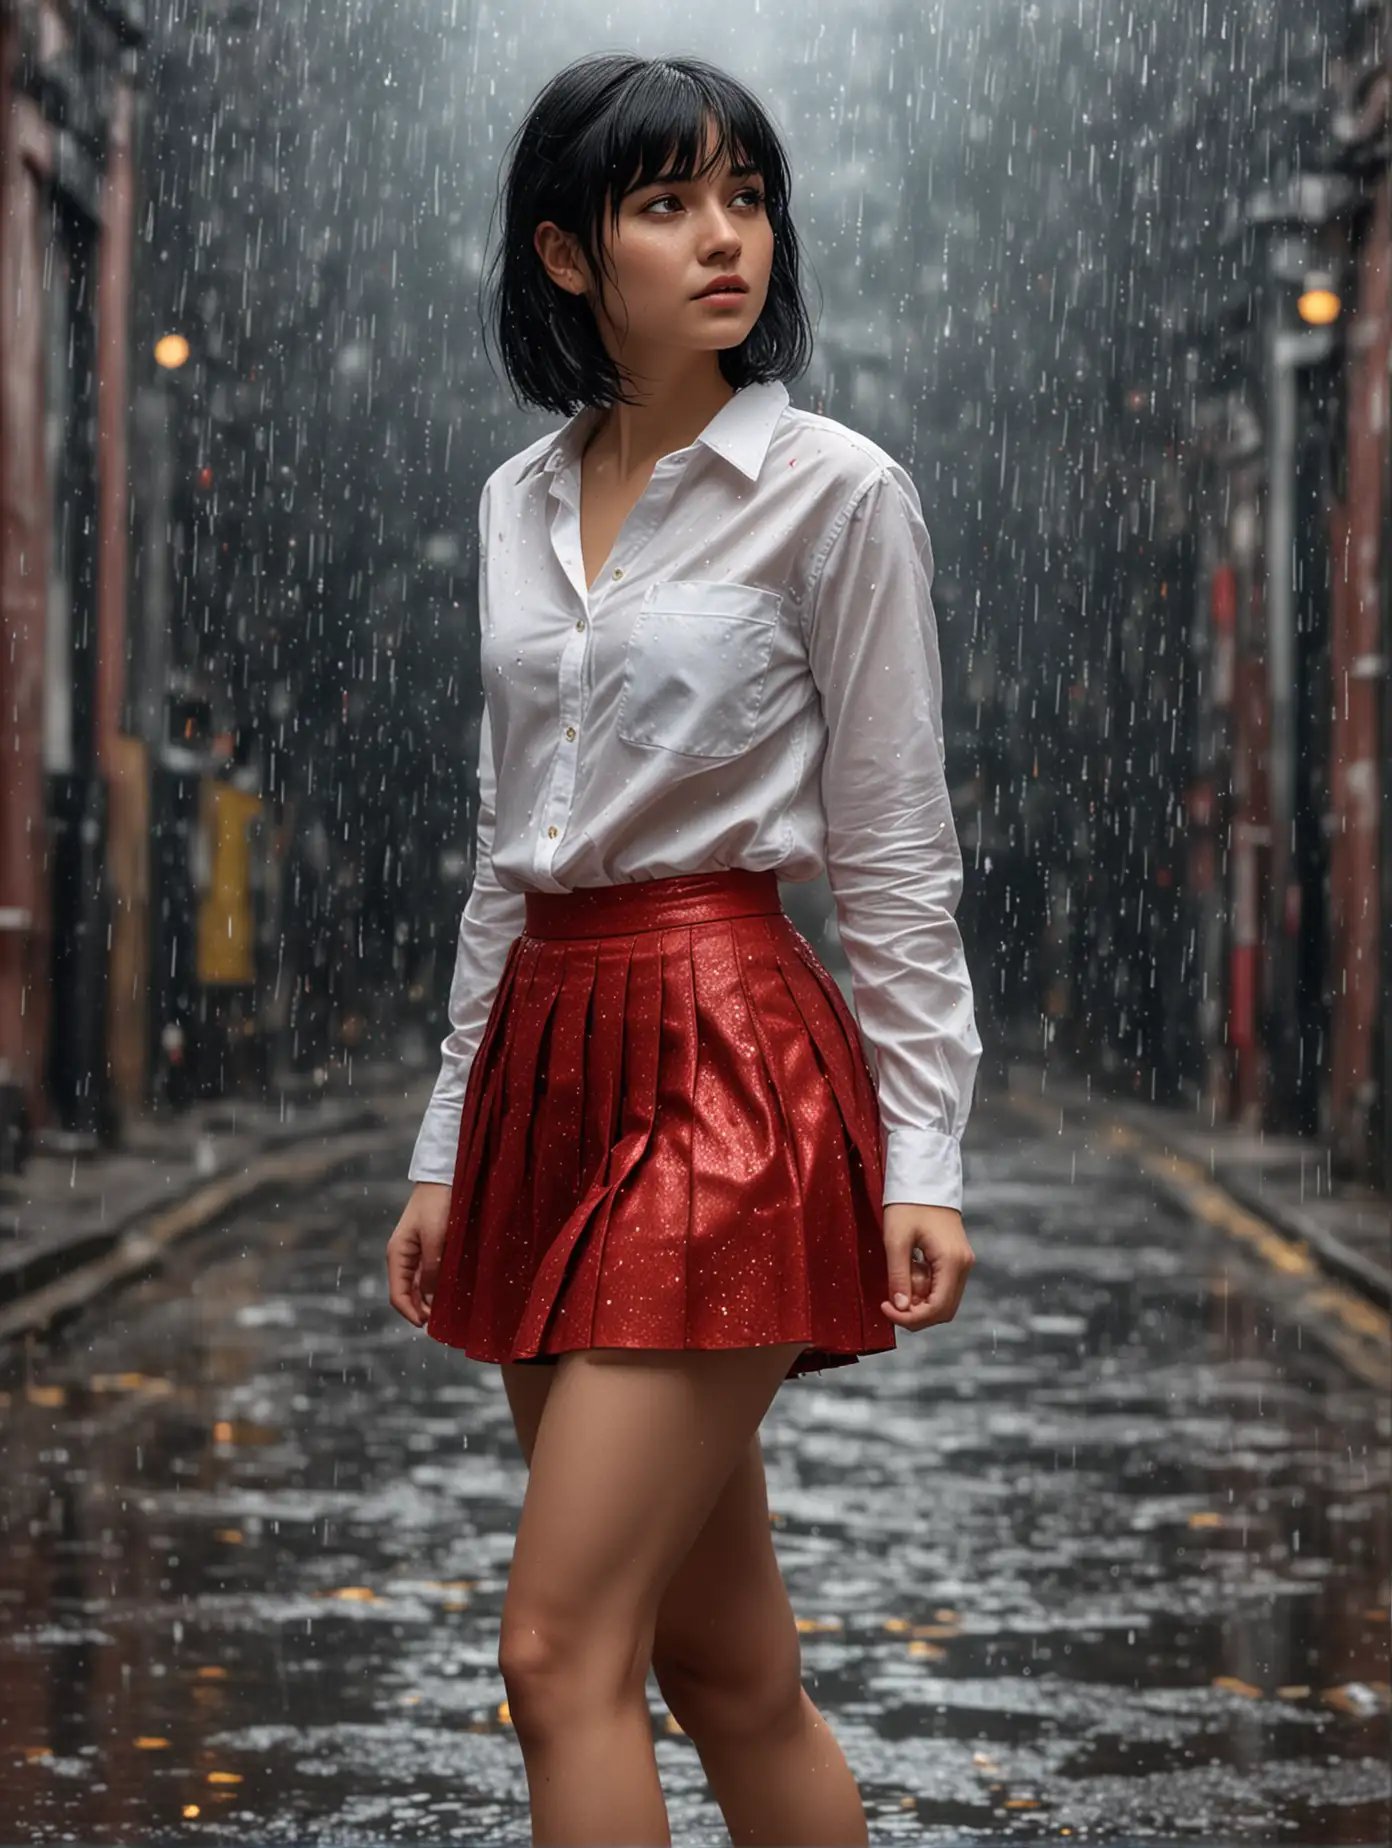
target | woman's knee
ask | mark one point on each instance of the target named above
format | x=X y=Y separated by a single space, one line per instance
x=554 y=1671
x=726 y=1650
x=607 y=1522
x=738 y=1697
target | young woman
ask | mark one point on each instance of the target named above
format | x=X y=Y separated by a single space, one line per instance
x=658 y=1174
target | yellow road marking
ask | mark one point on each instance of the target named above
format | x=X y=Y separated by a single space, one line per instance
x=1369 y=1354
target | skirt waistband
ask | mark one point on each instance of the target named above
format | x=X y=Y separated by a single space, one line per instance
x=652 y=904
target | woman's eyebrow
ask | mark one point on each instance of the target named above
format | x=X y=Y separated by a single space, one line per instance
x=668 y=179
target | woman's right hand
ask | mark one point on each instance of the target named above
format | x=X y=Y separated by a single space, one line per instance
x=413 y=1250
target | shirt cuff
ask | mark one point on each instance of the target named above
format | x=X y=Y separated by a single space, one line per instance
x=433 y=1157
x=923 y=1167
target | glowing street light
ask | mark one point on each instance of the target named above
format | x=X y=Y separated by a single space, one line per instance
x=171 y=351
x=1319 y=303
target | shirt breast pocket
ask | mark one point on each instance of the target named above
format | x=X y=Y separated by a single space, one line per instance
x=695 y=667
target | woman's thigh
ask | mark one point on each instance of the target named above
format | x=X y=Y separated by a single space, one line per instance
x=628 y=1464
x=528 y=1389
x=726 y=1651
x=725 y=1632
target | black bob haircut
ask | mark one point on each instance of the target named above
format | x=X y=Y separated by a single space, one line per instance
x=604 y=125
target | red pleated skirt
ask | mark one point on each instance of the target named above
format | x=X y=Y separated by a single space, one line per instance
x=670 y=1138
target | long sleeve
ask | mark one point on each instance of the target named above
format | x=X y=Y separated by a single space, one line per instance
x=893 y=860
x=492 y=919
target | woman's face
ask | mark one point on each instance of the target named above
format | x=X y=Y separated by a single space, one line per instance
x=673 y=239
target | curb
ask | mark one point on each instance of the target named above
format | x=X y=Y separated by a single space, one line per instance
x=1358 y=1327
x=24 y=1275
x=1349 y=1266
x=138 y=1245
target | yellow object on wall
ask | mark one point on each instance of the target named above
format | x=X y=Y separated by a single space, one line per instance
x=226 y=945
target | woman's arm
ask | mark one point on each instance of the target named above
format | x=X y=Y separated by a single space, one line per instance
x=492 y=919
x=893 y=861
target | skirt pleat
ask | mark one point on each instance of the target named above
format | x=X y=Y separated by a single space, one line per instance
x=669 y=1139
x=816 y=1132
x=556 y=1150
x=834 y=1039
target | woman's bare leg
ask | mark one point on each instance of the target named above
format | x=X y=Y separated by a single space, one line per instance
x=629 y=1460
x=728 y=1660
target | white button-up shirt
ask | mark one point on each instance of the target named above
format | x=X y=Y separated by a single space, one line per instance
x=752 y=682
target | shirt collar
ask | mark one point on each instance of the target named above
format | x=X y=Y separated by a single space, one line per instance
x=741 y=431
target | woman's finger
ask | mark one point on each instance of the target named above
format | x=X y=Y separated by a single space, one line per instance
x=403 y=1281
x=921 y=1276
x=432 y=1251
x=939 y=1300
x=945 y=1294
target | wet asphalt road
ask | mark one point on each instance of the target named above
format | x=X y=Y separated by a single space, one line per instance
x=1106 y=1558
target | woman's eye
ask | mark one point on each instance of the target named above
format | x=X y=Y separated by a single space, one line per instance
x=745 y=192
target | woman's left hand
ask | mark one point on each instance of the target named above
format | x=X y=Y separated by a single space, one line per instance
x=931 y=1286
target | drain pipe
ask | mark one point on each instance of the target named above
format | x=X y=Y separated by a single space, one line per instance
x=1289 y=350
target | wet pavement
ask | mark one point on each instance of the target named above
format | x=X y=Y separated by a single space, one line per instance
x=1106 y=1558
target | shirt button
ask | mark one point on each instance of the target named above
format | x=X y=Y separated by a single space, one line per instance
x=551 y=833
x=581 y=623
x=618 y=571
x=570 y=731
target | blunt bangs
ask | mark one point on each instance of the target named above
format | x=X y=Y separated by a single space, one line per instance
x=604 y=126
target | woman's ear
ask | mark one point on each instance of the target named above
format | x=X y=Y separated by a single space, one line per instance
x=561 y=258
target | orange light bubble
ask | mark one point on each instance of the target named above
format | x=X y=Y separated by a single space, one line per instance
x=1320 y=307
